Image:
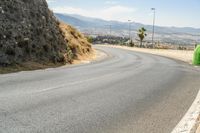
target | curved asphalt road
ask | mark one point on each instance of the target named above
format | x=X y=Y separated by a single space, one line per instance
x=128 y=92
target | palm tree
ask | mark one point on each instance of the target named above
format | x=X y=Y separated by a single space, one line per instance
x=142 y=35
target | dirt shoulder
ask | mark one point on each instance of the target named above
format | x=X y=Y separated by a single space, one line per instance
x=28 y=66
x=182 y=55
x=94 y=56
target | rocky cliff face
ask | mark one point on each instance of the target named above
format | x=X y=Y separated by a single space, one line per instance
x=30 y=32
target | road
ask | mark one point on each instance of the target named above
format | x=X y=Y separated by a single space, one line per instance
x=128 y=92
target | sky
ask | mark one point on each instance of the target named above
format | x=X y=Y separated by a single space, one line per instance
x=179 y=13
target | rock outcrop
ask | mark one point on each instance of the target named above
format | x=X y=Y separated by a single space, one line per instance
x=29 y=32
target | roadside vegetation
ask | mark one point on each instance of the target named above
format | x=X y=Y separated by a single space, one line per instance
x=136 y=41
x=142 y=34
x=196 y=58
x=79 y=45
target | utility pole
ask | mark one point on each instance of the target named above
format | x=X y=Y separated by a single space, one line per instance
x=154 y=18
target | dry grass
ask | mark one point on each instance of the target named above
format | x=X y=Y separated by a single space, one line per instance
x=28 y=66
x=81 y=48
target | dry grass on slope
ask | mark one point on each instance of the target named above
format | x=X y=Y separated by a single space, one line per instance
x=79 y=45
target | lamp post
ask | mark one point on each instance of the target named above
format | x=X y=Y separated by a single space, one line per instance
x=129 y=30
x=153 y=31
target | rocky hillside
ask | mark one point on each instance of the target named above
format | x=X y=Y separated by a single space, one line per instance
x=29 y=32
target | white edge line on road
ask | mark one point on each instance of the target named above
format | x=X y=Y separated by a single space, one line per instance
x=189 y=122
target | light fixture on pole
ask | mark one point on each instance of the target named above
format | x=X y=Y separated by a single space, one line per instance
x=153 y=31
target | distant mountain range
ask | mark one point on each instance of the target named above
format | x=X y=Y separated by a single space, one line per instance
x=172 y=35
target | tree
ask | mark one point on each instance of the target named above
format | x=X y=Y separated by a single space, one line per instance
x=90 y=39
x=142 y=35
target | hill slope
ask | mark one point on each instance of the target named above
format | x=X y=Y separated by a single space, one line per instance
x=87 y=22
x=30 y=36
x=78 y=44
x=173 y=35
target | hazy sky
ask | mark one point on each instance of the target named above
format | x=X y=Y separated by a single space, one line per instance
x=181 y=13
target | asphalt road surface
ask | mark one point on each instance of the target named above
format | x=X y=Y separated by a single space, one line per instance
x=128 y=92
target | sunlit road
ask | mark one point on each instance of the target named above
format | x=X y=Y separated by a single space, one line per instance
x=128 y=92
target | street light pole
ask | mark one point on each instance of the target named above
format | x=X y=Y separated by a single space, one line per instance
x=129 y=30
x=153 y=31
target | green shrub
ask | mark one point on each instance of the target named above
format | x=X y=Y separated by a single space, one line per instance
x=90 y=39
x=196 y=59
x=70 y=55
